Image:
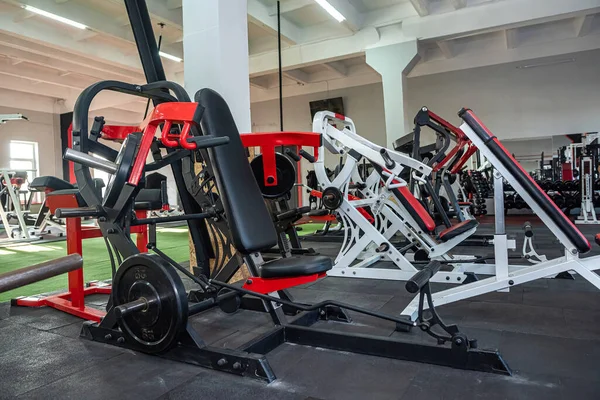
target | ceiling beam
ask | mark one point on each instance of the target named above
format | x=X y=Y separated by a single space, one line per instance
x=47 y=37
x=583 y=25
x=23 y=101
x=447 y=48
x=96 y=20
x=354 y=19
x=174 y=4
x=314 y=53
x=36 y=73
x=495 y=16
x=22 y=15
x=261 y=82
x=64 y=61
x=259 y=15
x=298 y=76
x=459 y=4
x=512 y=38
x=337 y=67
x=316 y=87
x=291 y=5
x=495 y=55
x=421 y=6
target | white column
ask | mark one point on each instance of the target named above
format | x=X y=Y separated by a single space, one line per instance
x=215 y=46
x=393 y=62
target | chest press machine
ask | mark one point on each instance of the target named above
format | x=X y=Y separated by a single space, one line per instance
x=149 y=310
x=566 y=232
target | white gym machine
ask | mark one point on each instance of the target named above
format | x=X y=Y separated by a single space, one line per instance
x=566 y=232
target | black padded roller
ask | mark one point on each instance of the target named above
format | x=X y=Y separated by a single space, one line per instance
x=528 y=229
x=420 y=279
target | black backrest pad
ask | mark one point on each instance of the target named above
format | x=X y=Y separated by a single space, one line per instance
x=251 y=225
x=525 y=180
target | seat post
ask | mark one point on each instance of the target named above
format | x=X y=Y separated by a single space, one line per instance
x=500 y=239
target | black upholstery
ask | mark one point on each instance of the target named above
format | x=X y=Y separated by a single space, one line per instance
x=295 y=266
x=148 y=199
x=49 y=182
x=63 y=192
x=525 y=180
x=457 y=229
x=251 y=225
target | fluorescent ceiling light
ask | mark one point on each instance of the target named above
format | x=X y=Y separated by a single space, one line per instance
x=331 y=10
x=55 y=17
x=169 y=56
x=544 y=64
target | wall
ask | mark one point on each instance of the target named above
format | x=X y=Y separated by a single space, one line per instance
x=517 y=103
x=41 y=128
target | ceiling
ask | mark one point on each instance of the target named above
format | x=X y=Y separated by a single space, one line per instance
x=45 y=64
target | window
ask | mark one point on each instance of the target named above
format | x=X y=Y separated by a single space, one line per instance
x=24 y=158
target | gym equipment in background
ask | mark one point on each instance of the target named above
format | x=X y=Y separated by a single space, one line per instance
x=566 y=232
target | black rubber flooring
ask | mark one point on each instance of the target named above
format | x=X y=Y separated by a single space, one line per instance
x=548 y=332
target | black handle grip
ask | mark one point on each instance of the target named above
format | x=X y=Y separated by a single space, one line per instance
x=208 y=141
x=164 y=195
x=292 y=154
x=81 y=212
x=528 y=229
x=307 y=155
x=296 y=212
x=420 y=279
x=389 y=163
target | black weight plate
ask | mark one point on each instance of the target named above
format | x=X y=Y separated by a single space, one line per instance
x=156 y=328
x=332 y=198
x=286 y=176
x=124 y=163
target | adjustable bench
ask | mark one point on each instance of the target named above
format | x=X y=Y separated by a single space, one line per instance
x=571 y=238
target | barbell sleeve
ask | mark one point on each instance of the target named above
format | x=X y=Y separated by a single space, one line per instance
x=389 y=163
x=90 y=161
x=48 y=269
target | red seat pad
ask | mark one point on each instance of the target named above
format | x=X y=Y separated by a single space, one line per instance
x=464 y=203
x=411 y=204
x=457 y=229
x=527 y=182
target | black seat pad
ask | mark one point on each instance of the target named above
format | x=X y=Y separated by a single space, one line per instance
x=295 y=266
x=63 y=192
x=50 y=182
x=148 y=199
x=457 y=229
x=526 y=181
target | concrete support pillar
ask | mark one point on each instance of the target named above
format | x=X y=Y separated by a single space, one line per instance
x=215 y=46
x=393 y=62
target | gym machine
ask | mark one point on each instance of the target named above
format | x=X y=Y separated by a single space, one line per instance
x=149 y=309
x=574 y=242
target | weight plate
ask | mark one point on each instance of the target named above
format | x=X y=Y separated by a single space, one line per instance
x=156 y=328
x=332 y=198
x=124 y=162
x=286 y=176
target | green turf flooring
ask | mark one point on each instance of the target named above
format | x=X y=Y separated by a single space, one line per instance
x=308 y=229
x=172 y=240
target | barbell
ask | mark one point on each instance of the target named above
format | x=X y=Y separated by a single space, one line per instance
x=25 y=276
